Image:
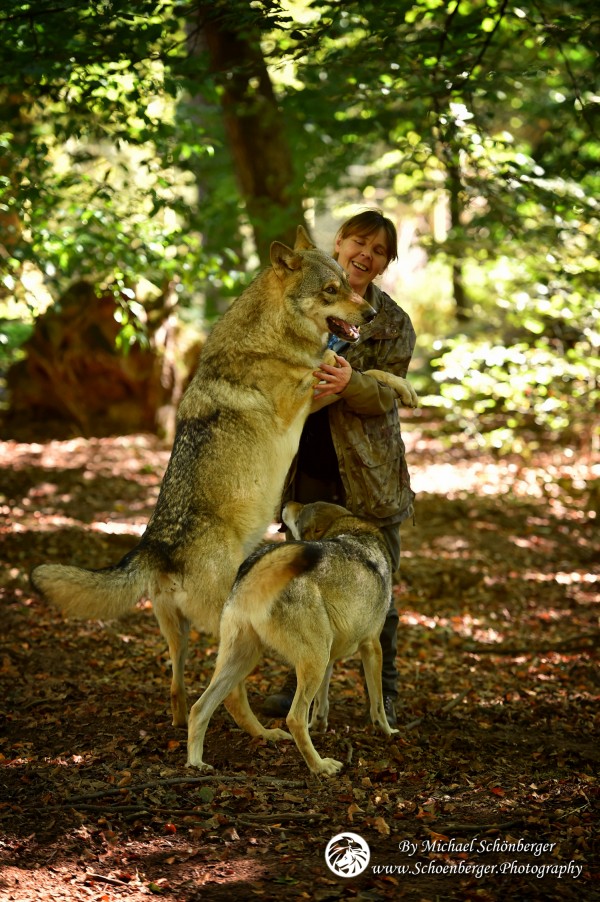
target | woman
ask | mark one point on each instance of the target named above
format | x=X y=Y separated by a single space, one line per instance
x=351 y=451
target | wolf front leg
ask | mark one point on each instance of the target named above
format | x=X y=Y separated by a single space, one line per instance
x=319 y=403
x=404 y=390
x=329 y=357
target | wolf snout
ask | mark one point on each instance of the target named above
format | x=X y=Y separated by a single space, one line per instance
x=367 y=311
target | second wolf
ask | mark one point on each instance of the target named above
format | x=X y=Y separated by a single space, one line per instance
x=238 y=428
x=311 y=602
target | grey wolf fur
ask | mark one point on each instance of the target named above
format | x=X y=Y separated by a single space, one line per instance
x=311 y=602
x=238 y=428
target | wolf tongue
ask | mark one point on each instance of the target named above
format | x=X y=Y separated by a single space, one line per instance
x=348 y=331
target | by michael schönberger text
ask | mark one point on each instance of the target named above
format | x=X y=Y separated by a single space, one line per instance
x=475 y=846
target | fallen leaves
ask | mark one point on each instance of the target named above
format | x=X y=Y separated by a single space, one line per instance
x=497 y=705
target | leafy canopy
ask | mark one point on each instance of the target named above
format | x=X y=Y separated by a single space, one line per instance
x=476 y=118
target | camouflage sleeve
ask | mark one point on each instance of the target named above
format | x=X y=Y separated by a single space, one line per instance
x=365 y=395
x=389 y=344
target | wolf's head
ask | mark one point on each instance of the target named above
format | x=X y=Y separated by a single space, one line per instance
x=319 y=288
x=310 y=522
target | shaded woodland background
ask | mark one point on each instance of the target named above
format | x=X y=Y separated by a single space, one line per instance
x=150 y=152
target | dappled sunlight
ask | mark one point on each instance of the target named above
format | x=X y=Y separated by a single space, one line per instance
x=114 y=528
x=491 y=477
x=576 y=576
x=152 y=152
x=498 y=603
x=94 y=455
x=458 y=626
x=449 y=465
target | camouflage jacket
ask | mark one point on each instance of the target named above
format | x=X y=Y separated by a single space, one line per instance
x=365 y=424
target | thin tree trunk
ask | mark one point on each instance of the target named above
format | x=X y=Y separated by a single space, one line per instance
x=461 y=300
x=255 y=130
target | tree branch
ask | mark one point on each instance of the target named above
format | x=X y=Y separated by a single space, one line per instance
x=174 y=781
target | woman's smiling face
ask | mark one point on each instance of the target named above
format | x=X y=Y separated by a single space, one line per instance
x=363 y=257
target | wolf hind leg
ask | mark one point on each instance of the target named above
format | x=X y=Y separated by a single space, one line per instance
x=320 y=706
x=175 y=628
x=309 y=676
x=231 y=668
x=370 y=652
x=239 y=707
x=237 y=657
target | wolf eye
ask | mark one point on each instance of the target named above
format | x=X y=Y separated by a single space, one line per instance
x=329 y=289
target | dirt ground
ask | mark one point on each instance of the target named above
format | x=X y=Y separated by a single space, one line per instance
x=489 y=792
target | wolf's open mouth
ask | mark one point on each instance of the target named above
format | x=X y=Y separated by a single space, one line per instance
x=342 y=329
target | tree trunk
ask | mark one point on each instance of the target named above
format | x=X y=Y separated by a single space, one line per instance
x=10 y=224
x=461 y=301
x=255 y=129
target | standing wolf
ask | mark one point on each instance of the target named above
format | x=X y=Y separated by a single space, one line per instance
x=238 y=428
x=310 y=601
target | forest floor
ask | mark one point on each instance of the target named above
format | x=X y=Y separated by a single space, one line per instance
x=489 y=791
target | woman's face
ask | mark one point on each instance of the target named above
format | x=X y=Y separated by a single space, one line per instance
x=363 y=257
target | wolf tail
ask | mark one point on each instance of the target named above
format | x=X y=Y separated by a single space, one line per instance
x=268 y=571
x=93 y=594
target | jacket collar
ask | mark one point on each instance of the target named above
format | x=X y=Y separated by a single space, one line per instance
x=389 y=319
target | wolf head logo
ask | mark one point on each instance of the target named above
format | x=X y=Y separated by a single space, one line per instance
x=347 y=854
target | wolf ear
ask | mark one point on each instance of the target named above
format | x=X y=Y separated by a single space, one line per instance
x=283 y=259
x=322 y=516
x=303 y=240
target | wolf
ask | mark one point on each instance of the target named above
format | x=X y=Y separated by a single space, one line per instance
x=310 y=601
x=237 y=432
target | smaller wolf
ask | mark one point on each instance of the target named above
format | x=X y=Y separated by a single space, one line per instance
x=311 y=601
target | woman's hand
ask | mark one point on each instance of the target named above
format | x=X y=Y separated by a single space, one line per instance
x=332 y=379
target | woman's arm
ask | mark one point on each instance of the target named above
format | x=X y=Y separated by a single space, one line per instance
x=365 y=395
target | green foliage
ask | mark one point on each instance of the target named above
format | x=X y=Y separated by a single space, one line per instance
x=478 y=117
x=417 y=92
x=96 y=168
x=483 y=113
x=536 y=371
x=13 y=333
